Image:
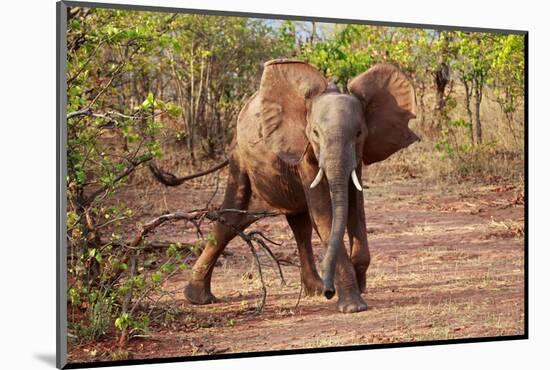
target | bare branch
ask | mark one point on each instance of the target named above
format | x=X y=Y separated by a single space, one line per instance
x=268 y=250
x=131 y=168
x=254 y=233
x=196 y=218
x=215 y=191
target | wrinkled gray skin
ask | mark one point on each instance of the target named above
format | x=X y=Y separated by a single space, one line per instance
x=293 y=127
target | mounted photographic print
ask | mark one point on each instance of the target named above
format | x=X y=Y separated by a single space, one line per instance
x=236 y=184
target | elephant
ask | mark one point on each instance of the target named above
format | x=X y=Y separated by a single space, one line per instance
x=299 y=151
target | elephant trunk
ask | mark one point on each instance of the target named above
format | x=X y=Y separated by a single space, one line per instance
x=338 y=179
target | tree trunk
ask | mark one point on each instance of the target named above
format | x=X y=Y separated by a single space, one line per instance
x=313 y=33
x=507 y=108
x=467 y=100
x=190 y=108
x=422 y=105
x=441 y=79
x=478 y=88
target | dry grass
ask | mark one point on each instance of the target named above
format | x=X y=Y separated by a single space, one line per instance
x=508 y=228
x=488 y=165
x=499 y=160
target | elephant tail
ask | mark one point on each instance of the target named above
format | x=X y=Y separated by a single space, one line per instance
x=169 y=179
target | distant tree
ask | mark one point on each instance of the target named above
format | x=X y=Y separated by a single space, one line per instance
x=508 y=67
x=215 y=63
x=287 y=36
x=465 y=70
x=421 y=71
x=441 y=71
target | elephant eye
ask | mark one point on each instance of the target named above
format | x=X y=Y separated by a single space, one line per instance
x=358 y=134
x=315 y=133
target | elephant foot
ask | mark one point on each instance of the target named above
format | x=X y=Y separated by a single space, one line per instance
x=312 y=287
x=195 y=292
x=351 y=304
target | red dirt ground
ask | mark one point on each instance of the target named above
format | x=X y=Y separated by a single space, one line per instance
x=446 y=263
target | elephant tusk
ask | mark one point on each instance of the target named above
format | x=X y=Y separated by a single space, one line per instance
x=317 y=179
x=356 y=181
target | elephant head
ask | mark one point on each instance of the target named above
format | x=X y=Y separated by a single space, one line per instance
x=300 y=110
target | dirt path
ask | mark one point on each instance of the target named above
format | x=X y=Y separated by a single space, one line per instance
x=446 y=263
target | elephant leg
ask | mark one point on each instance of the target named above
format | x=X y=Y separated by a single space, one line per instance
x=301 y=228
x=357 y=229
x=349 y=294
x=237 y=196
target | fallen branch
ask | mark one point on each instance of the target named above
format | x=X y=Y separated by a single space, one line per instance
x=260 y=239
x=196 y=217
x=249 y=239
x=260 y=307
x=193 y=216
x=268 y=250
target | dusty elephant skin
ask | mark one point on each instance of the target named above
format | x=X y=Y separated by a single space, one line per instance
x=299 y=151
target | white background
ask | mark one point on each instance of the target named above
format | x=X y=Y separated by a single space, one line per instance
x=27 y=181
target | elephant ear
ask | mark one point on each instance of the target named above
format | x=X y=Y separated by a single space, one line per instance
x=389 y=102
x=284 y=90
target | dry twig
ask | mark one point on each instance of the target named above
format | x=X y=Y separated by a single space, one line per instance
x=196 y=217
